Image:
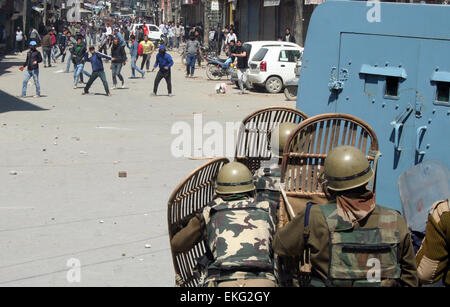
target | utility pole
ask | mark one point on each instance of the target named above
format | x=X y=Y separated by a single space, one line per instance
x=24 y=17
x=298 y=26
x=45 y=12
x=206 y=13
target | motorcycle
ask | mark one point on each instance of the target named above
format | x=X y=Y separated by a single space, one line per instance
x=218 y=68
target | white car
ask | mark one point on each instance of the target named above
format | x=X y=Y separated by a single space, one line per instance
x=271 y=67
x=154 y=33
x=253 y=47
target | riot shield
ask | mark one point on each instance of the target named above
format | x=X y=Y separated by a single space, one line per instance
x=191 y=195
x=420 y=187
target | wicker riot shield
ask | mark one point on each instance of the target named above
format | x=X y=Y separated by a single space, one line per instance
x=191 y=195
x=253 y=145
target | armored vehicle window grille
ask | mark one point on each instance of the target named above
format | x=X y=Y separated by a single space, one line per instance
x=392 y=86
x=443 y=92
x=259 y=56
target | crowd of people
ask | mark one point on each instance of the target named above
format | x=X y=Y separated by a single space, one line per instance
x=81 y=43
x=72 y=43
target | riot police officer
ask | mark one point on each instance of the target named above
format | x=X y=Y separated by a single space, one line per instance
x=237 y=228
x=351 y=240
x=433 y=257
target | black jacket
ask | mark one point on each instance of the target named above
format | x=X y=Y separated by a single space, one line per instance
x=78 y=52
x=118 y=52
x=291 y=38
x=33 y=56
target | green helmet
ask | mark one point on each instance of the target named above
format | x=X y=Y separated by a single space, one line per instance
x=234 y=177
x=281 y=133
x=346 y=167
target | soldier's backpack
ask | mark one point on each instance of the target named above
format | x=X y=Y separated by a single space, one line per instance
x=239 y=236
x=361 y=257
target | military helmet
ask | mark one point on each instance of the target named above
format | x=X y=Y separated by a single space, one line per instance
x=234 y=177
x=281 y=133
x=346 y=167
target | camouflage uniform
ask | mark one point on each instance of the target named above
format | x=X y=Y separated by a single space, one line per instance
x=340 y=250
x=239 y=235
x=433 y=256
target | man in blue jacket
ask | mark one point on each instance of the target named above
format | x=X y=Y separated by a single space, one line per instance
x=134 y=56
x=97 y=69
x=165 y=62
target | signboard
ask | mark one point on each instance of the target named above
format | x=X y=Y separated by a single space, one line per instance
x=73 y=11
x=272 y=2
x=308 y=2
x=214 y=5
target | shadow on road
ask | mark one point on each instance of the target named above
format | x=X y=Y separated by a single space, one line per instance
x=6 y=66
x=10 y=103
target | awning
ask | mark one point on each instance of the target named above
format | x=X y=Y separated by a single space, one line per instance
x=441 y=76
x=38 y=9
x=389 y=71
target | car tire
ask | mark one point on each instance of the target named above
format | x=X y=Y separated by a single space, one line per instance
x=274 y=85
x=291 y=93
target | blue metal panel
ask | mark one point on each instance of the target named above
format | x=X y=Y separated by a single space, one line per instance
x=347 y=62
x=383 y=71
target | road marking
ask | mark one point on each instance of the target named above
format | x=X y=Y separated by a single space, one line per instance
x=58 y=71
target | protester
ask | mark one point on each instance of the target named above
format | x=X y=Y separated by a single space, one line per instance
x=34 y=35
x=102 y=41
x=288 y=37
x=178 y=35
x=78 y=53
x=242 y=65
x=190 y=52
x=47 y=49
x=70 y=43
x=20 y=39
x=32 y=61
x=119 y=59
x=165 y=62
x=134 y=56
x=146 y=48
x=97 y=70
x=120 y=37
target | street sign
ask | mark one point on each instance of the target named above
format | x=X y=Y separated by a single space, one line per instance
x=271 y=2
x=307 y=2
x=214 y=5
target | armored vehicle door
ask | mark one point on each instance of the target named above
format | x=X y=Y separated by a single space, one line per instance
x=433 y=87
x=377 y=77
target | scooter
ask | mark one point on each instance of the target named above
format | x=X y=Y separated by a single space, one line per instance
x=218 y=68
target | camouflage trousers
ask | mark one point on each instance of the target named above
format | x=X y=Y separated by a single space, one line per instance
x=259 y=282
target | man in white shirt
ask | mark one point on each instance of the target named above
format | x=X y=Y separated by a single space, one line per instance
x=231 y=37
x=19 y=40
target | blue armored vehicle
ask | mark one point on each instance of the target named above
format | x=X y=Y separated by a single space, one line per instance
x=389 y=65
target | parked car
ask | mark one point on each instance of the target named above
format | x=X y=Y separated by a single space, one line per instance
x=253 y=47
x=291 y=86
x=271 y=67
x=154 y=33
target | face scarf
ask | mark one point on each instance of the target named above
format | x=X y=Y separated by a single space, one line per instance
x=354 y=207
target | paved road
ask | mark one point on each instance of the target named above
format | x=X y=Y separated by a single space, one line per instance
x=60 y=193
